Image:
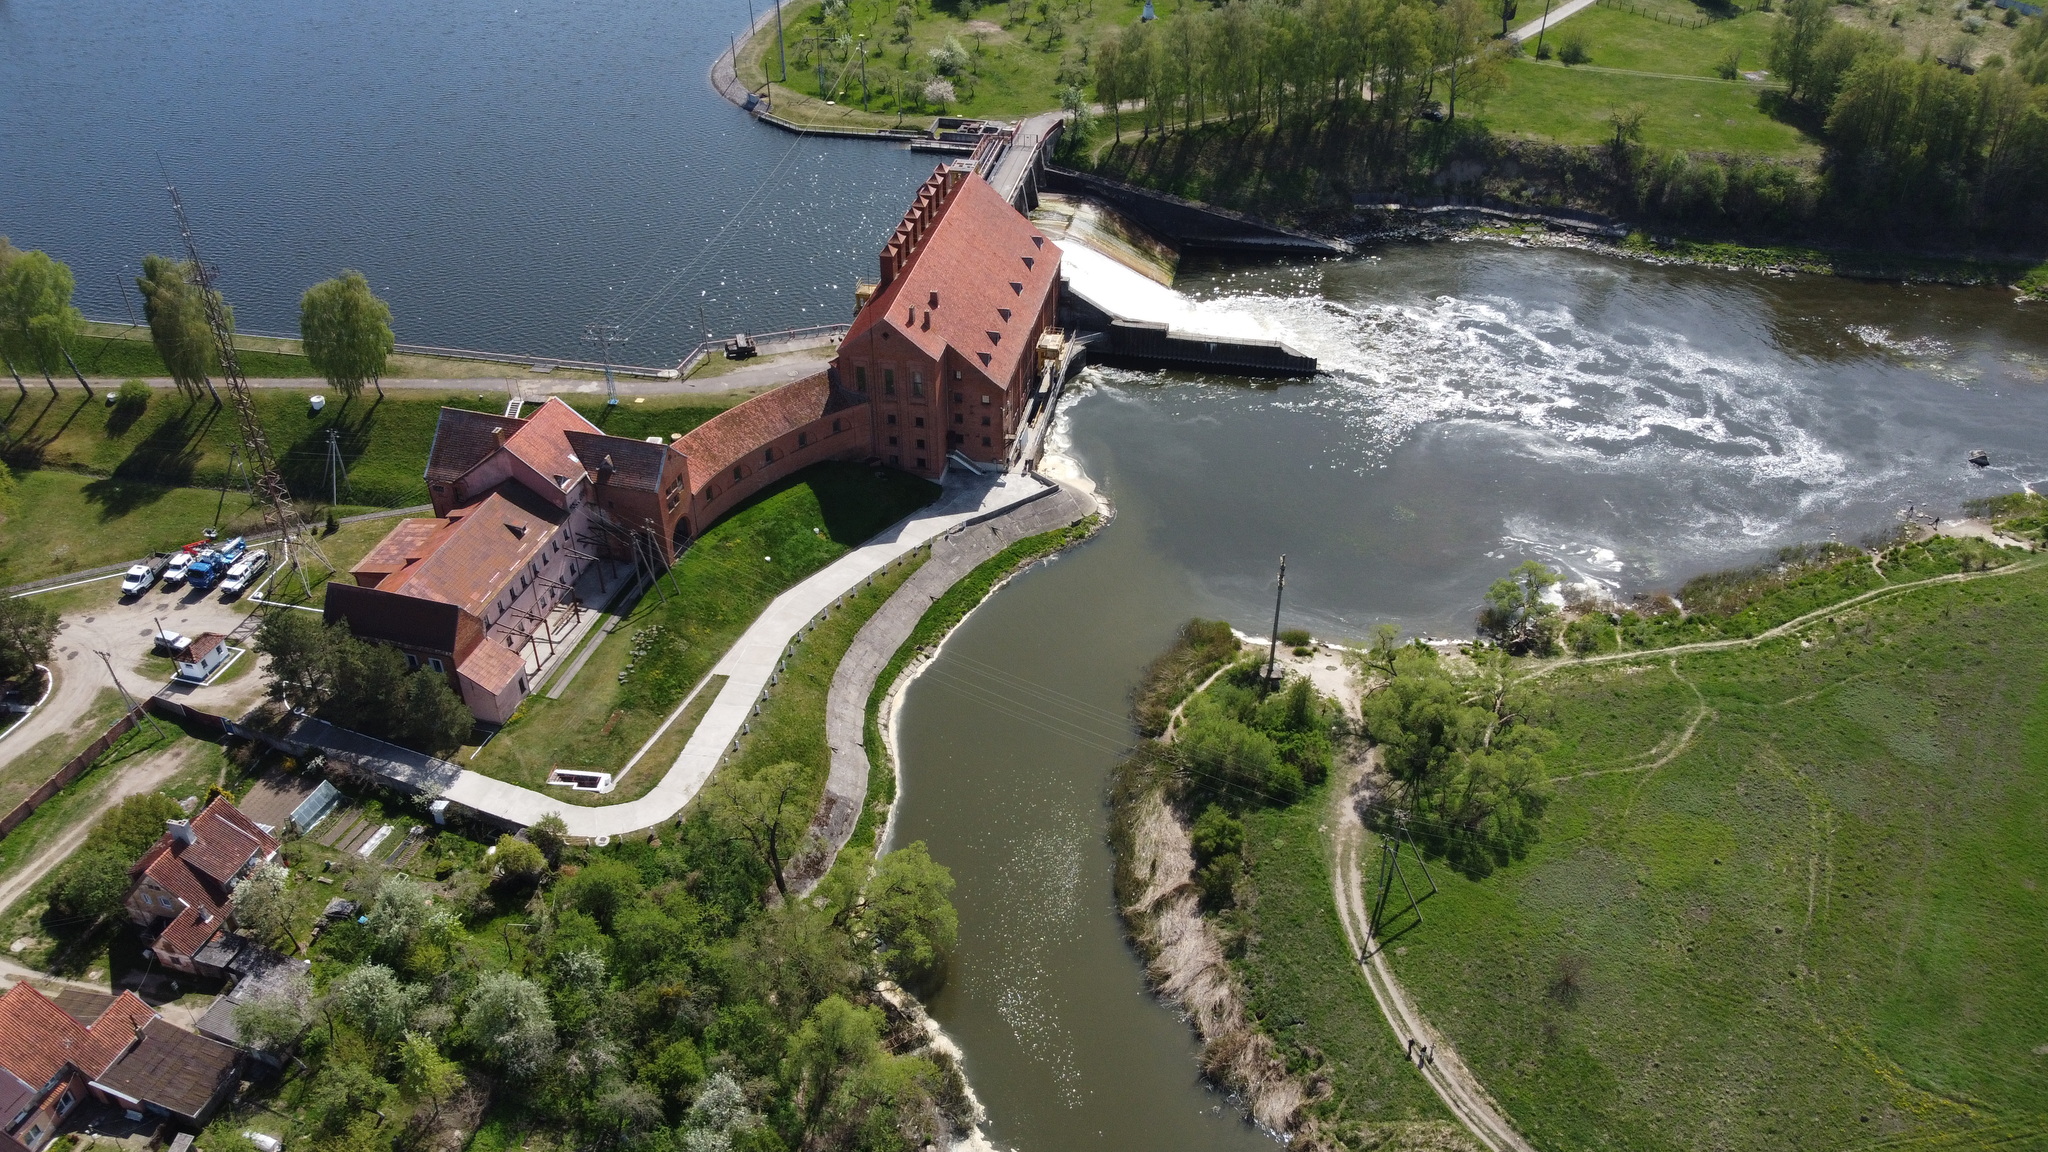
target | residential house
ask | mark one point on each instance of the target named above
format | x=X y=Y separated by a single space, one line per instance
x=184 y=885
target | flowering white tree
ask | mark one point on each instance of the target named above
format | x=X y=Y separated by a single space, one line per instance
x=938 y=91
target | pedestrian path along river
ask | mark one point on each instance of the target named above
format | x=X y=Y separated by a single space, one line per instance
x=748 y=665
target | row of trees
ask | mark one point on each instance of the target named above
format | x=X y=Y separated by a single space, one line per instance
x=345 y=329
x=361 y=685
x=1370 y=67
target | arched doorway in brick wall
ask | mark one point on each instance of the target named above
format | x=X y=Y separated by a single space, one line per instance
x=681 y=540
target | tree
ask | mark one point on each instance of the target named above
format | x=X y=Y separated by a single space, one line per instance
x=263 y=904
x=550 y=834
x=1516 y=616
x=430 y=716
x=92 y=884
x=517 y=862
x=508 y=1017
x=1471 y=69
x=425 y=1077
x=37 y=321
x=767 y=811
x=374 y=1001
x=835 y=1038
x=939 y=91
x=1796 y=39
x=297 y=644
x=1507 y=10
x=28 y=628
x=402 y=913
x=1217 y=839
x=175 y=307
x=911 y=914
x=346 y=332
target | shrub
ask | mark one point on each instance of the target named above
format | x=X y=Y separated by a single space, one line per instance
x=1296 y=638
x=133 y=396
x=1572 y=49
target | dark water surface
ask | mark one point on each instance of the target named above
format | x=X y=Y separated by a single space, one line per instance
x=1633 y=425
x=504 y=173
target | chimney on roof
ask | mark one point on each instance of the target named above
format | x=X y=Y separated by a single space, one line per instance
x=180 y=830
x=605 y=467
x=935 y=298
x=498 y=434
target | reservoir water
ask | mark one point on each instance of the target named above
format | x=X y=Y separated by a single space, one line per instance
x=507 y=173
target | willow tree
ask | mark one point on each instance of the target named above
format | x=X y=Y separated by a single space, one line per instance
x=37 y=320
x=346 y=331
x=176 y=312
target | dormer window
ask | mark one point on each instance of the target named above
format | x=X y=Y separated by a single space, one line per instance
x=1017 y=286
x=1005 y=313
x=1029 y=262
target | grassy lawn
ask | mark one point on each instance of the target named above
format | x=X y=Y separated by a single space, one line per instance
x=1824 y=918
x=21 y=775
x=714 y=592
x=1299 y=976
x=1015 y=67
x=1622 y=39
x=1546 y=100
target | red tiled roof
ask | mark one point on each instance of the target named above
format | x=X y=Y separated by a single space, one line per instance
x=620 y=462
x=464 y=439
x=492 y=667
x=223 y=842
x=408 y=543
x=981 y=258
x=188 y=932
x=540 y=443
x=744 y=429
x=201 y=646
x=480 y=550
x=37 y=1038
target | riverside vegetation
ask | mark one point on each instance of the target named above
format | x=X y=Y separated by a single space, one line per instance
x=1702 y=875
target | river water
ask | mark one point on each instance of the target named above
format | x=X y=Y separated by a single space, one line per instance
x=507 y=173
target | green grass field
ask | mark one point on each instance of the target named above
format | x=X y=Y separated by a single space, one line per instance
x=716 y=589
x=1821 y=923
x=1622 y=39
x=1547 y=101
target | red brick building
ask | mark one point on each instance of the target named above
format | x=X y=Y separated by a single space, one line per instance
x=942 y=357
x=946 y=349
x=184 y=885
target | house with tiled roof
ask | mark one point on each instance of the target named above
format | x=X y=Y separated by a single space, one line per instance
x=54 y=1059
x=183 y=887
x=946 y=344
x=942 y=359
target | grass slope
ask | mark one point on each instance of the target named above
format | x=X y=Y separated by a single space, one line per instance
x=1822 y=922
x=1304 y=986
x=717 y=588
x=1548 y=101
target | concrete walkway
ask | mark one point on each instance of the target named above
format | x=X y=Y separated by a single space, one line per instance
x=953 y=556
x=748 y=665
x=1528 y=31
x=780 y=368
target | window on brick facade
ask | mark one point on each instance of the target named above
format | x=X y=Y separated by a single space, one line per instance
x=984 y=421
x=959 y=398
x=891 y=418
x=917 y=383
x=888 y=381
x=803 y=438
x=892 y=441
x=736 y=473
x=984 y=442
x=987 y=399
x=959 y=419
x=835 y=426
x=919 y=421
x=767 y=455
x=920 y=442
x=860 y=378
x=920 y=461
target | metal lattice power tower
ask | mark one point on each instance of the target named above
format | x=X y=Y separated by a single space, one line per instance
x=295 y=539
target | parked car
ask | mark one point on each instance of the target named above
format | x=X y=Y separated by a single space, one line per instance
x=233 y=549
x=181 y=563
x=206 y=569
x=143 y=576
x=171 y=643
x=244 y=572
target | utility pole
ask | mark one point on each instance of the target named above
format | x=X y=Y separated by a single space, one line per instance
x=1542 y=28
x=863 y=72
x=781 y=49
x=1273 y=648
x=606 y=335
x=337 y=471
x=123 y=690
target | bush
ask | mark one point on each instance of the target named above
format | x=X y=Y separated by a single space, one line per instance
x=1296 y=638
x=1572 y=48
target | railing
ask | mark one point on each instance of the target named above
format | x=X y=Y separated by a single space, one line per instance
x=785 y=340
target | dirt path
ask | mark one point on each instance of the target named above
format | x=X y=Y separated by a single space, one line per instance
x=1460 y=1091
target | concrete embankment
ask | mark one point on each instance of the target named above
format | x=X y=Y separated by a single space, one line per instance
x=953 y=557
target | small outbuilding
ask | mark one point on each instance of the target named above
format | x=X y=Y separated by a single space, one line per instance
x=202 y=657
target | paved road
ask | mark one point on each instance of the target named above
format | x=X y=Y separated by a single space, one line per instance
x=1528 y=31
x=953 y=557
x=747 y=666
x=777 y=369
